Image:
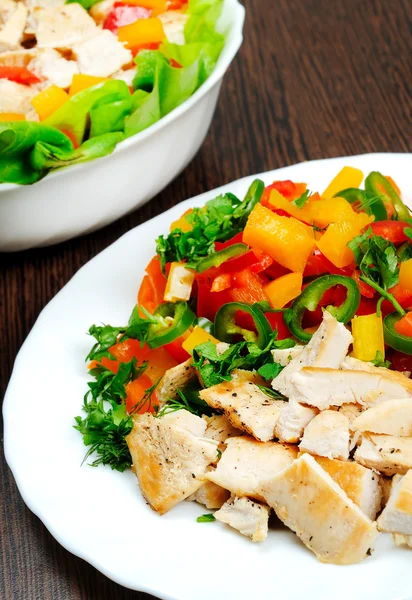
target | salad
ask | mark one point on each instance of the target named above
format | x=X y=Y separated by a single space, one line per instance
x=267 y=366
x=76 y=78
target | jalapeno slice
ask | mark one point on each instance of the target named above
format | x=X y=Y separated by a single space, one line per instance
x=175 y=319
x=227 y=330
x=394 y=339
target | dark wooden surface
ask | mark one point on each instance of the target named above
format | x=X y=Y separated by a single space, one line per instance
x=314 y=79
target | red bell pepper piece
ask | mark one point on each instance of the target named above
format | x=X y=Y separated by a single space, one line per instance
x=248 y=287
x=19 y=75
x=176 y=4
x=176 y=351
x=237 y=239
x=151 y=46
x=255 y=260
x=318 y=264
x=393 y=231
x=404 y=325
x=364 y=288
x=277 y=322
x=153 y=286
x=124 y=14
x=222 y=282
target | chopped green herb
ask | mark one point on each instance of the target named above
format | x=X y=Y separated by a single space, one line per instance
x=301 y=201
x=206 y=518
x=376 y=259
x=379 y=360
x=189 y=400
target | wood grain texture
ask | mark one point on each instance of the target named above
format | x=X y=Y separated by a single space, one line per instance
x=314 y=79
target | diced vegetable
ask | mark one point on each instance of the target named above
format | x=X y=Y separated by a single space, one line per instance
x=333 y=244
x=182 y=223
x=405 y=275
x=12 y=117
x=367 y=332
x=227 y=330
x=138 y=399
x=48 y=101
x=404 y=325
x=398 y=340
x=142 y=31
x=179 y=283
x=19 y=75
x=123 y=14
x=198 y=336
x=348 y=177
x=157 y=6
x=285 y=239
x=82 y=82
x=153 y=286
x=380 y=185
x=174 y=320
x=393 y=231
x=283 y=290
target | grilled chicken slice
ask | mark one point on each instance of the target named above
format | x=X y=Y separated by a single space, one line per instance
x=220 y=429
x=247 y=516
x=283 y=356
x=306 y=499
x=292 y=421
x=387 y=454
x=50 y=64
x=11 y=34
x=170 y=456
x=402 y=540
x=17 y=58
x=246 y=463
x=15 y=97
x=63 y=26
x=327 y=348
x=324 y=388
x=246 y=407
x=210 y=495
x=101 y=55
x=100 y=11
x=327 y=435
x=173 y=25
x=393 y=417
x=174 y=380
x=360 y=484
x=396 y=517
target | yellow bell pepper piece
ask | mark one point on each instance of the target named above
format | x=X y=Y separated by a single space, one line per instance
x=333 y=243
x=142 y=31
x=405 y=275
x=320 y=212
x=284 y=289
x=367 y=332
x=158 y=6
x=82 y=82
x=179 y=283
x=285 y=239
x=348 y=177
x=12 y=117
x=198 y=336
x=48 y=101
x=182 y=223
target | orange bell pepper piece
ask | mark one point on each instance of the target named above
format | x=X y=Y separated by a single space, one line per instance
x=284 y=289
x=367 y=332
x=405 y=275
x=153 y=286
x=404 y=325
x=48 y=101
x=136 y=391
x=285 y=239
x=182 y=223
x=198 y=336
x=142 y=31
x=158 y=6
x=333 y=244
x=12 y=117
x=317 y=211
x=82 y=82
x=348 y=177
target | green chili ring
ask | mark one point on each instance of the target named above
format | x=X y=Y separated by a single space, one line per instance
x=165 y=333
x=395 y=340
x=375 y=182
x=374 y=206
x=226 y=329
x=218 y=258
x=311 y=296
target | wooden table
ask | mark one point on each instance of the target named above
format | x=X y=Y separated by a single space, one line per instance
x=314 y=79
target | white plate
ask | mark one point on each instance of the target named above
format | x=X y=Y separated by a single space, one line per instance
x=85 y=197
x=99 y=514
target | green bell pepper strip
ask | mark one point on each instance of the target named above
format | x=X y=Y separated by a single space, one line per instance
x=371 y=203
x=311 y=296
x=226 y=330
x=218 y=258
x=394 y=339
x=174 y=320
x=379 y=185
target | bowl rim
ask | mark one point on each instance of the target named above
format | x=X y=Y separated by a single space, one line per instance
x=229 y=51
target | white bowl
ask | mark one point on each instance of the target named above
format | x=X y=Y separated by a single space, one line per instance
x=85 y=197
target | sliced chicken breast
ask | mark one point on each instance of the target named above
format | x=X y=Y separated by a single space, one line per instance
x=325 y=388
x=100 y=11
x=327 y=348
x=15 y=97
x=385 y=453
x=220 y=429
x=396 y=517
x=246 y=463
x=285 y=355
x=174 y=24
x=101 y=55
x=63 y=26
x=246 y=407
x=402 y=540
x=210 y=495
x=247 y=516
x=292 y=421
x=50 y=64
x=393 y=417
x=11 y=34
x=327 y=435
x=361 y=485
x=306 y=499
x=17 y=58
x=170 y=456
x=175 y=379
